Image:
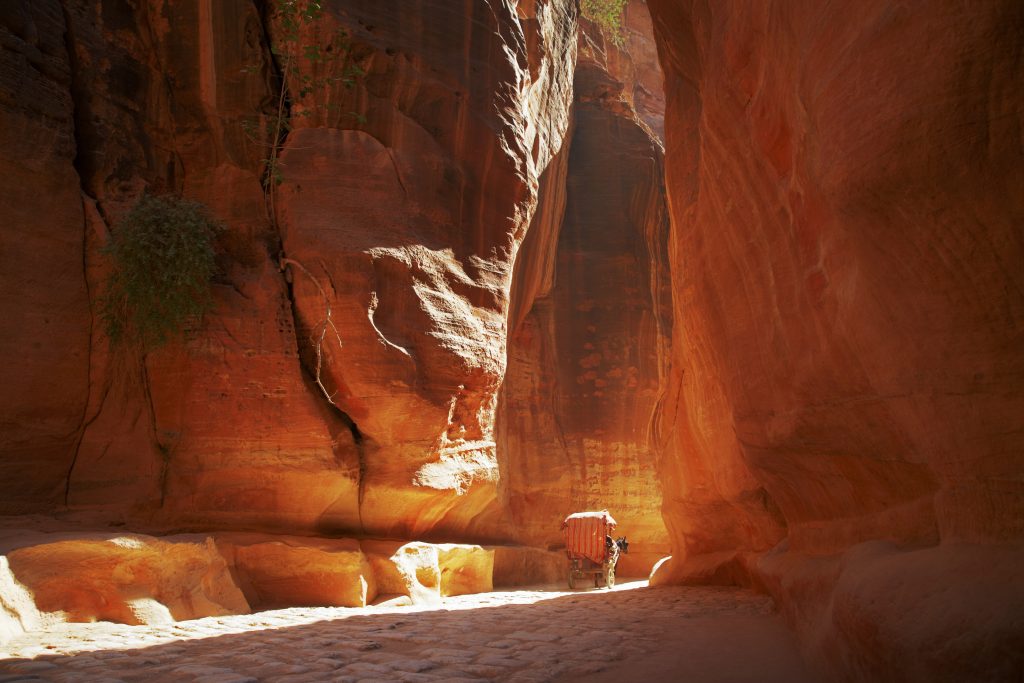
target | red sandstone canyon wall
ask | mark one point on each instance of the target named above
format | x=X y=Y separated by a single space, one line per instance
x=803 y=346
x=845 y=189
x=403 y=206
x=413 y=219
x=409 y=214
x=44 y=329
x=590 y=322
x=404 y=203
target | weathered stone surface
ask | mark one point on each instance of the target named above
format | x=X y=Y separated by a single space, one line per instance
x=465 y=569
x=408 y=222
x=847 y=266
x=634 y=66
x=426 y=572
x=128 y=579
x=286 y=571
x=521 y=566
x=18 y=611
x=44 y=329
x=841 y=362
x=591 y=319
x=947 y=613
x=223 y=429
x=405 y=569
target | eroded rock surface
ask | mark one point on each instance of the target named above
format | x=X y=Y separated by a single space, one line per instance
x=406 y=218
x=437 y=181
x=282 y=571
x=44 y=329
x=591 y=322
x=408 y=224
x=128 y=579
x=847 y=263
x=840 y=366
x=49 y=578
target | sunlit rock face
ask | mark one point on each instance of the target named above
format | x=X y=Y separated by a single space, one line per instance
x=403 y=206
x=284 y=571
x=127 y=579
x=847 y=261
x=407 y=222
x=590 y=321
x=51 y=577
x=406 y=205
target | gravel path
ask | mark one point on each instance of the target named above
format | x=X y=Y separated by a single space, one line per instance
x=632 y=633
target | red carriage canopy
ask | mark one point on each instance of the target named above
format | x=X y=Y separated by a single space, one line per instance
x=585 y=533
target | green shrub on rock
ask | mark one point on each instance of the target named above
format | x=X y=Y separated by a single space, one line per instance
x=607 y=14
x=162 y=258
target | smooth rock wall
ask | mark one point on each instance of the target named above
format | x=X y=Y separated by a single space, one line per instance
x=44 y=329
x=844 y=182
x=591 y=319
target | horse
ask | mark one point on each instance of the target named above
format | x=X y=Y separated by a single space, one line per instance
x=614 y=547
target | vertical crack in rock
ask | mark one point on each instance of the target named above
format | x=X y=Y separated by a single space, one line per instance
x=313 y=375
x=76 y=115
x=88 y=144
x=79 y=116
x=319 y=389
x=165 y=450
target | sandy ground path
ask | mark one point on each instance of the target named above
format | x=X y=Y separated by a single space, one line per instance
x=632 y=633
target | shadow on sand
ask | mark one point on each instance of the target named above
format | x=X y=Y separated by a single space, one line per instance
x=628 y=634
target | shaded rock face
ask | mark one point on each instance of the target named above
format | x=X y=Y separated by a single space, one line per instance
x=45 y=327
x=590 y=324
x=185 y=435
x=815 y=373
x=847 y=263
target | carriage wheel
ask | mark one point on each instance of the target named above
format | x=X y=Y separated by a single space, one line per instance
x=609 y=576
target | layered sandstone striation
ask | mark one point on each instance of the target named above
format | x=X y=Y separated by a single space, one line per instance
x=590 y=321
x=403 y=206
x=795 y=358
x=426 y=572
x=847 y=263
x=283 y=571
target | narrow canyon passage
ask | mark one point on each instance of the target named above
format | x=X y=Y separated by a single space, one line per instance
x=747 y=274
x=697 y=635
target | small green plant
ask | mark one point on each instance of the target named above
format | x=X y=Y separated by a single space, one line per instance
x=299 y=19
x=305 y=66
x=607 y=14
x=162 y=257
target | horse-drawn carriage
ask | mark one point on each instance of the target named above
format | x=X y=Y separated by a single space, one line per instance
x=590 y=548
